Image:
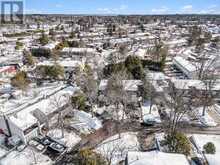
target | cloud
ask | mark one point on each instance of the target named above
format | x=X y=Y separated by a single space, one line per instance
x=162 y=10
x=187 y=9
x=120 y=9
x=33 y=11
x=58 y=5
x=212 y=9
x=123 y=7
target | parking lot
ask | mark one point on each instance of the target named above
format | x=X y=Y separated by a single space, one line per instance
x=48 y=146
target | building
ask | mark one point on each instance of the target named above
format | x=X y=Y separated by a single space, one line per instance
x=78 y=53
x=27 y=120
x=7 y=71
x=185 y=66
x=155 y=158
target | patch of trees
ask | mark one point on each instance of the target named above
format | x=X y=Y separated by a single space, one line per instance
x=43 y=39
x=87 y=82
x=178 y=143
x=134 y=66
x=62 y=45
x=89 y=157
x=28 y=58
x=78 y=101
x=39 y=52
x=19 y=45
x=20 y=80
x=54 y=71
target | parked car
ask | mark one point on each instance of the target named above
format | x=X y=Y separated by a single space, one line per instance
x=57 y=147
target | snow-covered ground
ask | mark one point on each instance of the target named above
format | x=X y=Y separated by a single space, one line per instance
x=70 y=139
x=156 y=158
x=154 y=115
x=206 y=120
x=26 y=157
x=85 y=122
x=116 y=114
x=201 y=140
x=116 y=148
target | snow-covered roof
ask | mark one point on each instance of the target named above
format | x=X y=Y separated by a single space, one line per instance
x=23 y=118
x=50 y=45
x=198 y=84
x=129 y=85
x=79 y=50
x=69 y=63
x=156 y=158
x=185 y=63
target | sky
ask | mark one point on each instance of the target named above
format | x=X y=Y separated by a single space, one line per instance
x=122 y=6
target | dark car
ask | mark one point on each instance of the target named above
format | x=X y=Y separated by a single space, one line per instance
x=46 y=141
x=57 y=147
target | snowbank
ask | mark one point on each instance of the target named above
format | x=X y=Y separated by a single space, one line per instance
x=201 y=140
x=85 y=123
x=154 y=115
x=206 y=120
x=116 y=148
x=70 y=139
x=156 y=158
x=26 y=157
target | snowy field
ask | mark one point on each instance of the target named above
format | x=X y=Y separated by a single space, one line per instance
x=70 y=139
x=152 y=115
x=84 y=122
x=26 y=157
x=206 y=120
x=115 y=148
x=201 y=140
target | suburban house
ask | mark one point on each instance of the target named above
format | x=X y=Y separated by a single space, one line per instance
x=195 y=86
x=185 y=66
x=78 y=54
x=27 y=120
x=132 y=88
x=7 y=71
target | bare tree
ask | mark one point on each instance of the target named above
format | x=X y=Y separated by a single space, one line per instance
x=148 y=91
x=179 y=105
x=89 y=85
x=206 y=71
x=56 y=102
x=113 y=152
x=116 y=94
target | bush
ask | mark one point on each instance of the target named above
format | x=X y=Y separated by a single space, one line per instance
x=53 y=72
x=79 y=101
x=89 y=157
x=19 y=45
x=44 y=39
x=178 y=143
x=135 y=67
x=38 y=52
x=209 y=148
x=20 y=80
x=28 y=58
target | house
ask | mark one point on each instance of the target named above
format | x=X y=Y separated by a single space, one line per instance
x=132 y=88
x=155 y=158
x=26 y=121
x=78 y=53
x=68 y=65
x=195 y=86
x=7 y=71
x=185 y=66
